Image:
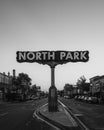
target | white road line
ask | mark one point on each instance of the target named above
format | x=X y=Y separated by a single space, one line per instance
x=3 y=114
x=78 y=114
x=44 y=105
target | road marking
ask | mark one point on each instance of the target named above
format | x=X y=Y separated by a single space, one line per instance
x=78 y=114
x=44 y=105
x=3 y=114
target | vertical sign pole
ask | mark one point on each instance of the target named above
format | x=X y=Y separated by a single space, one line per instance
x=52 y=99
x=52 y=76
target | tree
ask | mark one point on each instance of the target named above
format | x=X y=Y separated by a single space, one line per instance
x=60 y=92
x=68 y=87
x=23 y=82
x=81 y=83
x=34 y=90
x=23 y=79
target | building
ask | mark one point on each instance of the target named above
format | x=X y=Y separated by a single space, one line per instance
x=97 y=86
x=5 y=79
x=69 y=90
x=35 y=90
x=5 y=83
x=75 y=90
x=11 y=88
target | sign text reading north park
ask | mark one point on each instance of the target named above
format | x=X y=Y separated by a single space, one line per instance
x=48 y=56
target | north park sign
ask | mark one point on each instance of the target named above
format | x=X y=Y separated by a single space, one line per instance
x=52 y=58
x=60 y=57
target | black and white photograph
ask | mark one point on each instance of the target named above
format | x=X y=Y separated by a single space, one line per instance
x=51 y=65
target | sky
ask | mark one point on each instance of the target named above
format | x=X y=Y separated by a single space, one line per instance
x=70 y=25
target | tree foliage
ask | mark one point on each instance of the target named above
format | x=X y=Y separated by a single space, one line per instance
x=68 y=87
x=34 y=89
x=23 y=79
x=81 y=83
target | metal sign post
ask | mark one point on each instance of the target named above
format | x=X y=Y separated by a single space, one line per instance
x=52 y=98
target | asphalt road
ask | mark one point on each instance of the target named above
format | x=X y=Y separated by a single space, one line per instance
x=19 y=116
x=92 y=115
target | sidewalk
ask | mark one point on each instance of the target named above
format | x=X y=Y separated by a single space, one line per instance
x=60 y=118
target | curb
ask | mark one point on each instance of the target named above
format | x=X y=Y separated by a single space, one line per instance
x=80 y=123
x=41 y=117
x=57 y=124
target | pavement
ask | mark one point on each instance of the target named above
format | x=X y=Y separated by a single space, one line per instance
x=19 y=116
x=61 y=118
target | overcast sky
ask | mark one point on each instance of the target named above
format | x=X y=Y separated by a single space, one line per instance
x=34 y=25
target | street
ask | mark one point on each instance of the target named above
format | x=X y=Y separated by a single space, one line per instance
x=92 y=115
x=19 y=116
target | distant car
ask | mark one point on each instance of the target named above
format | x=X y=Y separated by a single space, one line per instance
x=82 y=97
x=67 y=97
x=76 y=97
x=89 y=99
x=79 y=97
x=85 y=99
x=31 y=97
x=92 y=99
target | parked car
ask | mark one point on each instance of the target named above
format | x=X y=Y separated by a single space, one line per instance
x=89 y=99
x=92 y=99
x=79 y=97
x=76 y=97
x=67 y=97
x=82 y=97
x=85 y=99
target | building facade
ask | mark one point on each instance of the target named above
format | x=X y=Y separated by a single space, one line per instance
x=70 y=90
x=97 y=86
x=5 y=83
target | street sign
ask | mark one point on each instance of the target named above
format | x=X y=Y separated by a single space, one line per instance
x=52 y=58
x=60 y=57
